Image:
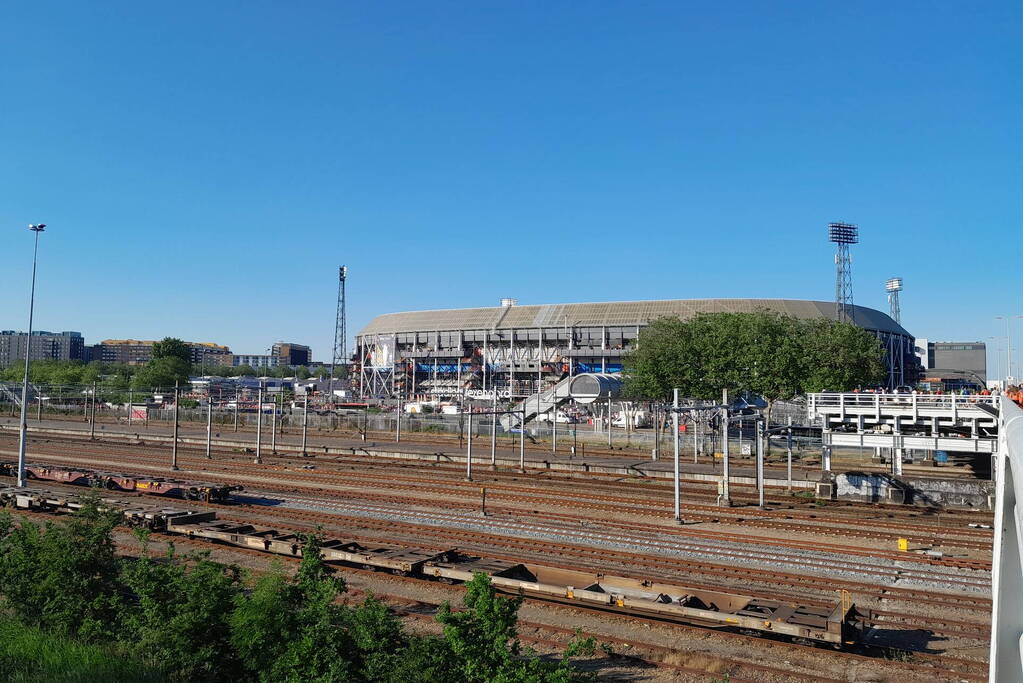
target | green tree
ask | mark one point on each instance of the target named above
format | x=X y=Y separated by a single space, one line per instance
x=772 y=355
x=302 y=372
x=840 y=357
x=161 y=373
x=172 y=347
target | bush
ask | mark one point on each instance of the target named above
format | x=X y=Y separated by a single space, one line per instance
x=91 y=616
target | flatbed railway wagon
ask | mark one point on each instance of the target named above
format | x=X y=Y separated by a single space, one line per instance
x=143 y=516
x=837 y=626
x=157 y=486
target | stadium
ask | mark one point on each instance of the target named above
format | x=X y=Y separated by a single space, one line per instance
x=517 y=350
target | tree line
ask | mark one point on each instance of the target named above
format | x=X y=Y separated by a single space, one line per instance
x=171 y=362
x=188 y=618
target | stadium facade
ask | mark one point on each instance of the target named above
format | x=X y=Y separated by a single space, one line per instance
x=518 y=350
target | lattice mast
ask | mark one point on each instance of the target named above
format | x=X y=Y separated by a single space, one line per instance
x=893 y=287
x=339 y=362
x=843 y=234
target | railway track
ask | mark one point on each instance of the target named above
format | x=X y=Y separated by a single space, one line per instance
x=930 y=667
x=614 y=506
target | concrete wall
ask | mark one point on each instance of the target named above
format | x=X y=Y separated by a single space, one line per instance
x=873 y=487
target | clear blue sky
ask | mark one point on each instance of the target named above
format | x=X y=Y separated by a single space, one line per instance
x=205 y=166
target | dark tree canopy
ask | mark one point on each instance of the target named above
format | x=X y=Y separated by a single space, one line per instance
x=171 y=347
x=772 y=355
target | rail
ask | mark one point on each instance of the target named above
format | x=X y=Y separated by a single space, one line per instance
x=1007 y=575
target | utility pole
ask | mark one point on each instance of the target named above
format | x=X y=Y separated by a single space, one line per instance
x=305 y=422
x=237 y=394
x=696 y=440
x=92 y=420
x=724 y=498
x=209 y=425
x=130 y=404
x=23 y=431
x=174 y=448
x=789 y=453
x=259 y=425
x=554 y=422
x=522 y=442
x=397 y=422
x=468 y=452
x=675 y=486
x=657 y=426
x=273 y=425
x=760 y=459
x=609 y=423
x=493 y=429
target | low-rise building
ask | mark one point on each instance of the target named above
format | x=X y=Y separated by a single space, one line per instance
x=953 y=365
x=139 y=352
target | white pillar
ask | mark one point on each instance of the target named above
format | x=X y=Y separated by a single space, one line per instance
x=675 y=486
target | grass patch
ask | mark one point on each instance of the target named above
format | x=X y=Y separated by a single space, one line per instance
x=28 y=655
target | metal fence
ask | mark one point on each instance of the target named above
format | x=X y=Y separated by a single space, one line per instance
x=1007 y=565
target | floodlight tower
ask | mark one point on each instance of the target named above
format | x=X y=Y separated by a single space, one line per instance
x=893 y=287
x=843 y=234
x=340 y=330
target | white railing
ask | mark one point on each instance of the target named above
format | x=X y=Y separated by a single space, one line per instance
x=1007 y=575
x=898 y=401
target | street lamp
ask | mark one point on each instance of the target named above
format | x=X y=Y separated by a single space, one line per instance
x=23 y=432
x=1008 y=344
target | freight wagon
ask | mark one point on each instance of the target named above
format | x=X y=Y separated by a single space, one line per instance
x=157 y=486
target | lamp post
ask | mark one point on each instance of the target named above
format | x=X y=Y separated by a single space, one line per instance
x=1008 y=344
x=23 y=431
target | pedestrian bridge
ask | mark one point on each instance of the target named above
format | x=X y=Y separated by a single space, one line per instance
x=942 y=413
x=901 y=422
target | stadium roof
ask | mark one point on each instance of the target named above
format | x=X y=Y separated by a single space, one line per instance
x=612 y=314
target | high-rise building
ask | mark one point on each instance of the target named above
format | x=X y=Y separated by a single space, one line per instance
x=289 y=353
x=43 y=346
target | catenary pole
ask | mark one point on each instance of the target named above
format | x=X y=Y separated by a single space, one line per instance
x=724 y=498
x=789 y=453
x=92 y=418
x=273 y=425
x=493 y=427
x=259 y=425
x=397 y=421
x=174 y=447
x=305 y=422
x=522 y=442
x=675 y=484
x=468 y=450
x=209 y=425
x=760 y=460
